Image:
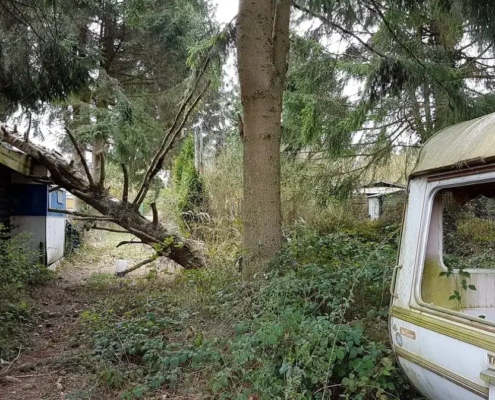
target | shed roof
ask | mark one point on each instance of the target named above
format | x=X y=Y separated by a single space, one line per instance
x=460 y=146
x=384 y=184
x=15 y=160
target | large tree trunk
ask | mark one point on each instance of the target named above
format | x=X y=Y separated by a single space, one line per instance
x=263 y=44
x=121 y=212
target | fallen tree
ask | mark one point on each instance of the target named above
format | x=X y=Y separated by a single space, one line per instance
x=122 y=212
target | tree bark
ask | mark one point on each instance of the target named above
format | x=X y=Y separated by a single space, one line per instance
x=263 y=45
x=98 y=158
x=124 y=214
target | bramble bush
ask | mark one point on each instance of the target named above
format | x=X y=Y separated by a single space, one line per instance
x=139 y=346
x=313 y=327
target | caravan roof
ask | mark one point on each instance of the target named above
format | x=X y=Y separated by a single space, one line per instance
x=464 y=145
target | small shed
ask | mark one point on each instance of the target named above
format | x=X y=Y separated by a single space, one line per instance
x=376 y=192
x=24 y=203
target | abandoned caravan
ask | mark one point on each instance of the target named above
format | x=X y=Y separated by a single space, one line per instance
x=442 y=317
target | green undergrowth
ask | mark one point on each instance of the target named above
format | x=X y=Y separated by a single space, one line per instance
x=314 y=326
x=20 y=269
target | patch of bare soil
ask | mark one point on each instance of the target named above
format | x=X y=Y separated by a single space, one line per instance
x=53 y=364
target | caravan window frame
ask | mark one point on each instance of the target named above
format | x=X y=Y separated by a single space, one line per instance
x=434 y=185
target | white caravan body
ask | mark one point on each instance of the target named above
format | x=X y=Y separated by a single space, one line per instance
x=442 y=333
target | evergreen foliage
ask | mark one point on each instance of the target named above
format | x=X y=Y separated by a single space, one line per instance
x=369 y=79
x=21 y=268
x=187 y=180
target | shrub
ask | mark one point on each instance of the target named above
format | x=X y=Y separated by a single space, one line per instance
x=136 y=350
x=312 y=329
x=315 y=327
x=20 y=265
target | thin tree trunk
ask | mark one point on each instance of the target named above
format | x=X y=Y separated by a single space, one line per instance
x=98 y=157
x=263 y=44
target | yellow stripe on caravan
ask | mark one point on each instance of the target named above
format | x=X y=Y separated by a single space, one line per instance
x=447 y=328
x=444 y=373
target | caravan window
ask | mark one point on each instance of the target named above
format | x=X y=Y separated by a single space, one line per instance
x=468 y=229
x=459 y=267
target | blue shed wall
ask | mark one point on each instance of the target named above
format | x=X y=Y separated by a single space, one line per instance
x=58 y=200
x=30 y=200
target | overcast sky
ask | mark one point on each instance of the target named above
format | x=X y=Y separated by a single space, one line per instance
x=226 y=10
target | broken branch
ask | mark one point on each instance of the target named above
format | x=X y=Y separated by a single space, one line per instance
x=108 y=219
x=4 y=372
x=81 y=156
x=74 y=213
x=137 y=232
x=135 y=267
x=184 y=120
x=131 y=242
x=99 y=228
x=155 y=213
x=170 y=133
x=167 y=145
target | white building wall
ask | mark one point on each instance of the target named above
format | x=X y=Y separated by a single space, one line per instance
x=374 y=208
x=55 y=239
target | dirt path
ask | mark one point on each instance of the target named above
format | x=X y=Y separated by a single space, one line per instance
x=51 y=366
x=55 y=363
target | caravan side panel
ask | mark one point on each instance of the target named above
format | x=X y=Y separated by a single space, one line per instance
x=55 y=227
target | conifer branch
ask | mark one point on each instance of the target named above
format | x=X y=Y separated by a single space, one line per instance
x=333 y=24
x=171 y=132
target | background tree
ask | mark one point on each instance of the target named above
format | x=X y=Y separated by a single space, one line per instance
x=369 y=80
